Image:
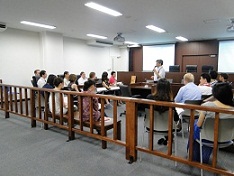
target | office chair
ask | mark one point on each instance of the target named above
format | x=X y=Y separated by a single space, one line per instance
x=226 y=133
x=207 y=68
x=191 y=68
x=186 y=113
x=126 y=92
x=34 y=81
x=161 y=121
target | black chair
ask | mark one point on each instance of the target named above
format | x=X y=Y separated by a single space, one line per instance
x=186 y=113
x=174 y=68
x=34 y=81
x=191 y=68
x=207 y=68
x=126 y=92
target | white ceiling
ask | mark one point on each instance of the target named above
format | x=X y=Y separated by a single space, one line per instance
x=177 y=17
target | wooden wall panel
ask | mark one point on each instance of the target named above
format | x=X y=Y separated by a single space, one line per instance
x=196 y=48
x=137 y=59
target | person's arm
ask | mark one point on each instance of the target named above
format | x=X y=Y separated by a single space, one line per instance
x=95 y=104
x=201 y=118
x=105 y=85
x=178 y=97
x=74 y=86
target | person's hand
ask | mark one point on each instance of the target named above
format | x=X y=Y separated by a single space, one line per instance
x=152 y=77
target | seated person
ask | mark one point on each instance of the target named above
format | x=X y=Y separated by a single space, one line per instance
x=58 y=83
x=82 y=78
x=112 y=80
x=72 y=86
x=213 y=76
x=89 y=88
x=66 y=78
x=42 y=81
x=36 y=77
x=92 y=76
x=223 y=95
x=204 y=85
x=105 y=83
x=189 y=91
x=50 y=82
x=49 y=85
x=223 y=77
x=163 y=93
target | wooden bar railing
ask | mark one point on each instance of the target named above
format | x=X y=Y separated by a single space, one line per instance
x=73 y=123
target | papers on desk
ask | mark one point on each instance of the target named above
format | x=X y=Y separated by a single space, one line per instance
x=119 y=83
x=102 y=89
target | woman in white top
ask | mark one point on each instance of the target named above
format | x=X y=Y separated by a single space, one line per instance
x=66 y=78
x=59 y=84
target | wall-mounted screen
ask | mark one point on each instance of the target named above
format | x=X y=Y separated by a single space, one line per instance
x=154 y=52
x=226 y=56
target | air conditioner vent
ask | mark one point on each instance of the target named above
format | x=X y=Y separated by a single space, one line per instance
x=3 y=27
x=99 y=43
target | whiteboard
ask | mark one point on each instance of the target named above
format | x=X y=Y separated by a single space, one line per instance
x=155 y=52
x=226 y=56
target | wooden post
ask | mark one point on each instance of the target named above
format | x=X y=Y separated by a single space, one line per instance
x=131 y=131
x=6 y=102
x=71 y=134
x=32 y=109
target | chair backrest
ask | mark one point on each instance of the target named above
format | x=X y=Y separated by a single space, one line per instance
x=34 y=81
x=125 y=91
x=174 y=68
x=207 y=68
x=191 y=68
x=194 y=102
x=161 y=120
x=226 y=128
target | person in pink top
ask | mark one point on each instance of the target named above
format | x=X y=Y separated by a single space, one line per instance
x=112 y=79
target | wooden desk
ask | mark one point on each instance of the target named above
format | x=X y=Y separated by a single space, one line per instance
x=144 y=89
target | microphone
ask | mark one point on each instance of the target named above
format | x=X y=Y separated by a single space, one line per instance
x=154 y=68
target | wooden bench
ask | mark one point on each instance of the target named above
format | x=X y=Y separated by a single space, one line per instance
x=108 y=125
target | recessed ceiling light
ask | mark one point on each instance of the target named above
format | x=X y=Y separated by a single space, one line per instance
x=96 y=36
x=38 y=24
x=155 y=28
x=102 y=9
x=181 y=38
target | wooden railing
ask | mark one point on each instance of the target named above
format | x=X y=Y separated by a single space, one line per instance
x=12 y=101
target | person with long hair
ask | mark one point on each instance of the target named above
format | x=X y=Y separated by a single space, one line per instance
x=90 y=88
x=163 y=93
x=59 y=84
x=223 y=95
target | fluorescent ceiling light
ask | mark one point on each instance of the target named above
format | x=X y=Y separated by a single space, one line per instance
x=154 y=28
x=38 y=24
x=130 y=43
x=102 y=9
x=96 y=36
x=181 y=38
